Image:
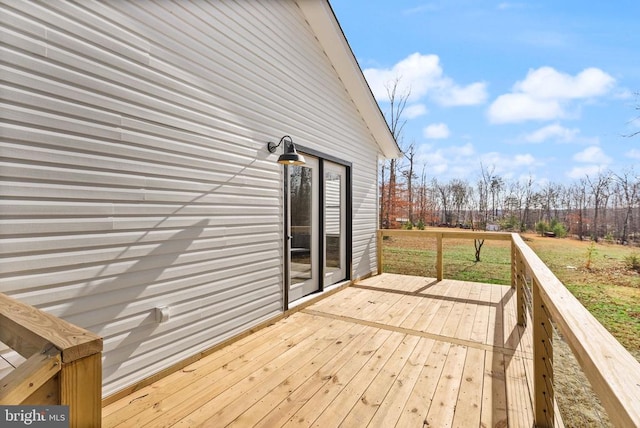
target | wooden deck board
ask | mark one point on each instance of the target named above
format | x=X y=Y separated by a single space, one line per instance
x=278 y=406
x=469 y=402
x=229 y=380
x=333 y=403
x=391 y=351
x=9 y=360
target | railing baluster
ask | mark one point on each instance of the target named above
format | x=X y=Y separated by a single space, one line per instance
x=542 y=361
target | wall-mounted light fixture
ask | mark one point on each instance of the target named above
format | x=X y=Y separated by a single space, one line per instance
x=289 y=156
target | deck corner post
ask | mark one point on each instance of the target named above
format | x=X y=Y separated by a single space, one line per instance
x=514 y=267
x=543 y=395
x=379 y=250
x=439 y=268
x=81 y=390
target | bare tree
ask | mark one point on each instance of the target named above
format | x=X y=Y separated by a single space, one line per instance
x=580 y=200
x=549 y=195
x=460 y=196
x=422 y=196
x=599 y=186
x=629 y=188
x=489 y=184
x=527 y=193
x=397 y=104
x=444 y=193
x=409 y=174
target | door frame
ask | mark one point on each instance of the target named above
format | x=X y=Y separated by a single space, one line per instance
x=322 y=157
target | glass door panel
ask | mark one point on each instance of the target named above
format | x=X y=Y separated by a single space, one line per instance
x=334 y=223
x=303 y=221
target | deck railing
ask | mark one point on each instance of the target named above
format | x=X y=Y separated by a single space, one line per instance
x=542 y=299
x=63 y=363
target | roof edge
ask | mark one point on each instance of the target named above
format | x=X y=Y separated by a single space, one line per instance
x=325 y=25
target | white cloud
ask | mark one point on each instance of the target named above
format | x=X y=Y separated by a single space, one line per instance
x=547 y=83
x=633 y=153
x=507 y=165
x=452 y=95
x=423 y=76
x=545 y=94
x=464 y=162
x=552 y=132
x=511 y=108
x=595 y=159
x=524 y=160
x=623 y=94
x=415 y=110
x=436 y=131
x=592 y=154
x=582 y=171
x=462 y=151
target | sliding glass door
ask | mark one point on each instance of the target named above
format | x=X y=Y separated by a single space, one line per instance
x=317 y=210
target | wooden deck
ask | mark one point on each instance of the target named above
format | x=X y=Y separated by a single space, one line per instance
x=389 y=351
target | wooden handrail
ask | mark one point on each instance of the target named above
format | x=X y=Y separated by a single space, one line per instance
x=613 y=372
x=63 y=366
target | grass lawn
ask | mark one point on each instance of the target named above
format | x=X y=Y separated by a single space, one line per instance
x=609 y=290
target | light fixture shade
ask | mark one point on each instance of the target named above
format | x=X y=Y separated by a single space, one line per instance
x=291 y=156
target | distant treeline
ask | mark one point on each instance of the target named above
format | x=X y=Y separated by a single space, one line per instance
x=602 y=206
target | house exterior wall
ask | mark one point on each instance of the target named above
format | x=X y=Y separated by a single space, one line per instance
x=135 y=171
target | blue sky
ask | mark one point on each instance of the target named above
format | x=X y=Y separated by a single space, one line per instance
x=546 y=89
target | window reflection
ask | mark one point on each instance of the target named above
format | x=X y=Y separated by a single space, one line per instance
x=301 y=188
x=332 y=201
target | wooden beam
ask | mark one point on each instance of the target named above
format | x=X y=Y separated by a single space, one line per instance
x=27 y=330
x=449 y=234
x=29 y=376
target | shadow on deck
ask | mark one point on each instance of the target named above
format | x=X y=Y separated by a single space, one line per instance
x=391 y=350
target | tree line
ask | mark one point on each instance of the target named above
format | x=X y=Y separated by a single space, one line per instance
x=605 y=205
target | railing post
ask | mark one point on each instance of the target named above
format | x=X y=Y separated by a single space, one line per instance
x=379 y=251
x=79 y=381
x=514 y=269
x=543 y=399
x=439 y=256
x=81 y=390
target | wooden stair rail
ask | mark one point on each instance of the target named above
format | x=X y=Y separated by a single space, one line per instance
x=63 y=366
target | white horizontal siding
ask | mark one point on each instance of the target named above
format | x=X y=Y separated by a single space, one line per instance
x=135 y=172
